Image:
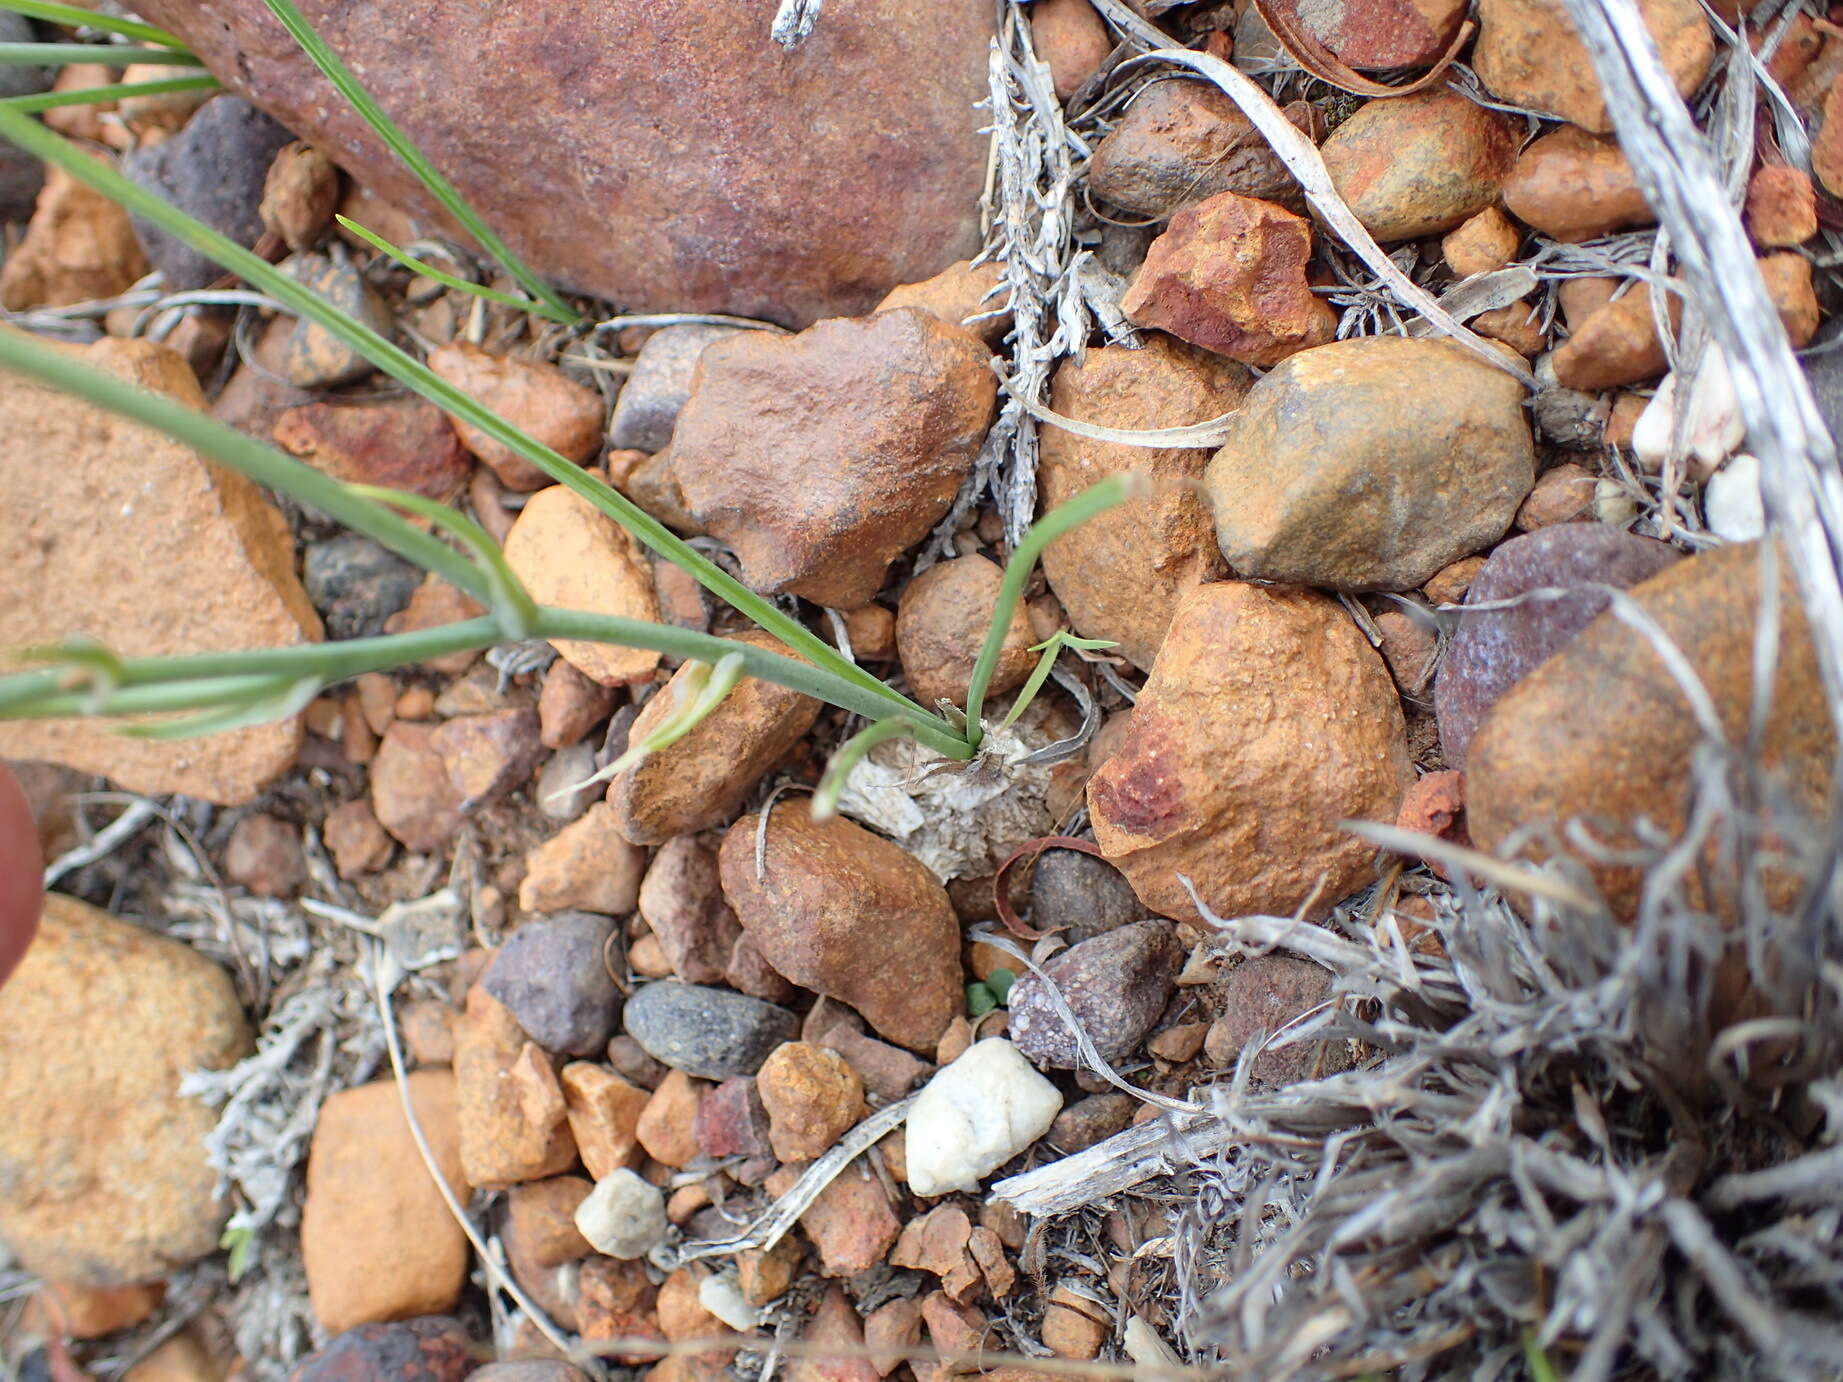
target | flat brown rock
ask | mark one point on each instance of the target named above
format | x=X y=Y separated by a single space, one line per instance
x=133 y=539
x=670 y=157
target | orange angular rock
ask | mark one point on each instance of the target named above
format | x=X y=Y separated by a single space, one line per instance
x=377 y=1241
x=1267 y=720
x=126 y=535
x=1781 y=207
x=1229 y=275
x=79 y=245
x=701 y=780
x=885 y=415
x=535 y=397
x=499 y=1147
x=806 y=914
x=813 y=1098
x=569 y=553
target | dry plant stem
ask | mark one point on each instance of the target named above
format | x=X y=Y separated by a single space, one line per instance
x=1800 y=482
x=501 y=1279
x=35 y=139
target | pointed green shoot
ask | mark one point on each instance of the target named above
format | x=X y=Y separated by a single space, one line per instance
x=1096 y=499
x=108 y=54
x=85 y=666
x=399 y=143
x=506 y=597
x=53 y=148
x=849 y=755
x=479 y=290
x=73 y=17
x=701 y=691
x=1051 y=648
x=96 y=95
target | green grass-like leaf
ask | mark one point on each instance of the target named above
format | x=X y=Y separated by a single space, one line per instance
x=506 y=597
x=412 y=158
x=479 y=290
x=97 y=95
x=72 y=17
x=850 y=754
x=108 y=54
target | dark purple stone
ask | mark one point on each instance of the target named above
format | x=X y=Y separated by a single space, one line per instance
x=1495 y=649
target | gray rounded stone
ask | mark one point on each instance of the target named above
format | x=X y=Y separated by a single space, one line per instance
x=708 y=1032
x=553 y=978
x=1081 y=896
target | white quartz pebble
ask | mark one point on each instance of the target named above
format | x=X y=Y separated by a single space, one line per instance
x=623 y=1216
x=1731 y=501
x=975 y=1115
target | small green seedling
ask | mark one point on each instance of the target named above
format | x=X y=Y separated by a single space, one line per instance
x=994 y=992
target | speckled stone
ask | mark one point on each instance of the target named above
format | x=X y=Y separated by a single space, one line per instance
x=1116 y=985
x=709 y=1032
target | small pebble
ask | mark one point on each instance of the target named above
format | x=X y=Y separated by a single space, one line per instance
x=1116 y=985
x=623 y=1216
x=553 y=976
x=709 y=1032
x=974 y=1116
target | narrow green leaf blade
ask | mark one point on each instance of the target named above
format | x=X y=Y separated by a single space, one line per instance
x=108 y=54
x=97 y=95
x=442 y=276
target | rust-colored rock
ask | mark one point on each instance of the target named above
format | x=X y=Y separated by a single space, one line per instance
x=1370 y=464
x=1564 y=494
x=1181 y=142
x=1528 y=54
x=880 y=418
x=701 y=780
x=1229 y=275
x=299 y=195
x=400 y=443
x=813 y=1098
x=941 y=625
x=681 y=899
x=1614 y=344
x=411 y=793
x=1788 y=283
x=488 y=755
x=666 y=157
x=588 y=864
x=499 y=1147
x=811 y=915
x=1601 y=730
x=569 y=553
x=1781 y=207
x=358 y=844
x=1378 y=33
x=1482 y=243
x=103 y=1176
x=535 y=397
x=1419 y=165
x=1573 y=185
x=1072 y=38
x=79 y=245
x=962 y=295
x=604 y=1116
x=377 y=1241
x=1119 y=574
x=667 y=1126
x=850 y=1223
x=125 y=535
x=1267 y=720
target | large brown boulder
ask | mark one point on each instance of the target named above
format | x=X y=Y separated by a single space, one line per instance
x=103 y=1173
x=1120 y=574
x=1267 y=721
x=1602 y=732
x=850 y=915
x=136 y=540
x=665 y=156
